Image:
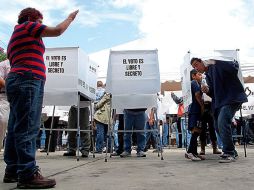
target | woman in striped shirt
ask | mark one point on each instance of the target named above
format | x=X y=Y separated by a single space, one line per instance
x=25 y=88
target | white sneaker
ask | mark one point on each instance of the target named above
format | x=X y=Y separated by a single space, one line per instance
x=141 y=154
x=227 y=159
x=125 y=154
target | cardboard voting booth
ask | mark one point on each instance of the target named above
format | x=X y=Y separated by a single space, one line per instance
x=133 y=79
x=69 y=72
x=186 y=82
x=70 y=76
x=248 y=107
x=208 y=57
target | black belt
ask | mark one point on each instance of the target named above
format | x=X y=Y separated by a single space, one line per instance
x=3 y=92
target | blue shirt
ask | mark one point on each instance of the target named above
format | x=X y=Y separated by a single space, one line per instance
x=225 y=88
x=99 y=93
x=195 y=108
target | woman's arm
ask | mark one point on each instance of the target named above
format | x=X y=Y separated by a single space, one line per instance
x=60 y=28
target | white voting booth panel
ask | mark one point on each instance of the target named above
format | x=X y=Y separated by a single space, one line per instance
x=60 y=111
x=207 y=56
x=224 y=55
x=133 y=79
x=248 y=107
x=69 y=72
x=186 y=82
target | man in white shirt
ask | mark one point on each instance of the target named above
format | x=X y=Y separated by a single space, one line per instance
x=4 y=105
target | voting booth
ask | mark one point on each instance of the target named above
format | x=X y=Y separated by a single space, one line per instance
x=69 y=72
x=133 y=79
x=248 y=107
x=71 y=78
x=186 y=82
x=208 y=58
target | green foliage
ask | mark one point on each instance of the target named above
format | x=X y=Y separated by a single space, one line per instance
x=3 y=56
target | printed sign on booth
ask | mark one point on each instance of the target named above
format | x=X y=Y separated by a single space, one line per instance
x=69 y=72
x=133 y=78
x=248 y=107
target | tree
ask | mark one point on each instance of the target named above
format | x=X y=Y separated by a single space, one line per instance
x=3 y=55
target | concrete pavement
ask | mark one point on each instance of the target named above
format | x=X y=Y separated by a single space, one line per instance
x=173 y=173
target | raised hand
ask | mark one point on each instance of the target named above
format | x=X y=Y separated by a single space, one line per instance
x=72 y=16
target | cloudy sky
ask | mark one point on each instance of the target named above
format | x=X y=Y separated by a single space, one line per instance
x=172 y=26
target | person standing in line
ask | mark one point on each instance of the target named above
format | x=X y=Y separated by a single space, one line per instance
x=100 y=91
x=4 y=105
x=134 y=119
x=84 y=125
x=155 y=133
x=227 y=93
x=119 y=149
x=180 y=113
x=25 y=89
x=208 y=125
x=102 y=120
x=165 y=135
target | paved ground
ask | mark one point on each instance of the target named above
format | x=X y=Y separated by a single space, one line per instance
x=150 y=173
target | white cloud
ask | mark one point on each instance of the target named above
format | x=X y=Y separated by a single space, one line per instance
x=4 y=38
x=93 y=19
x=55 y=11
x=125 y=3
x=175 y=27
x=11 y=9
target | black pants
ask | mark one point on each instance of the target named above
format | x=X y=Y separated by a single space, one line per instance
x=120 y=134
x=208 y=125
x=179 y=132
x=85 y=141
x=193 y=147
x=53 y=140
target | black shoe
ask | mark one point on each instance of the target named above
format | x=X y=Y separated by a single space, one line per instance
x=10 y=178
x=85 y=154
x=69 y=153
x=37 y=181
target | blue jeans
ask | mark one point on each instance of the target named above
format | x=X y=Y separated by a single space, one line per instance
x=186 y=133
x=165 y=134
x=116 y=135
x=134 y=120
x=219 y=142
x=154 y=134
x=25 y=95
x=101 y=136
x=223 y=118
